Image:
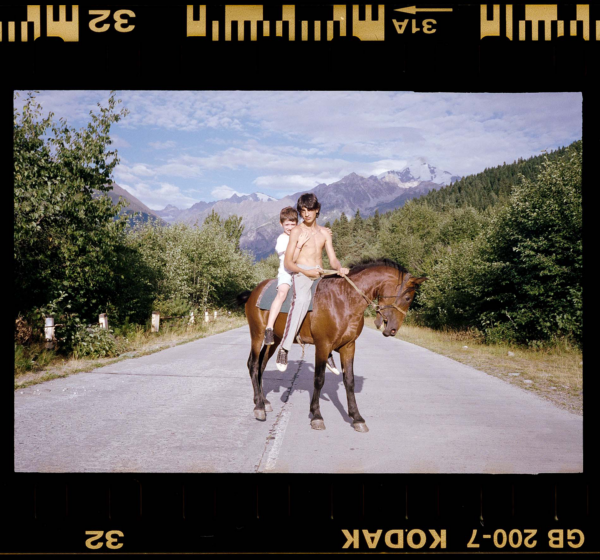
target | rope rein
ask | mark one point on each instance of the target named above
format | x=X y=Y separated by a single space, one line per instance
x=370 y=302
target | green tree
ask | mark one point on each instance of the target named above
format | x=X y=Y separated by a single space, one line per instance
x=376 y=221
x=213 y=217
x=66 y=235
x=234 y=229
x=411 y=237
x=200 y=265
x=357 y=223
x=535 y=248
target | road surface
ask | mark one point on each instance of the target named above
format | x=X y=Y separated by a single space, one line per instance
x=190 y=409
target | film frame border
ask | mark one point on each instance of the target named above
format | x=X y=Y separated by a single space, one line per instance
x=588 y=477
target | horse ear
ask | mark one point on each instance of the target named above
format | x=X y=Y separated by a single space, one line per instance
x=419 y=280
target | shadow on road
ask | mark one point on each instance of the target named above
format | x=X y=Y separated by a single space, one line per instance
x=305 y=383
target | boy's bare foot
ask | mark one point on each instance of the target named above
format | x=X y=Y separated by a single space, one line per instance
x=281 y=362
x=331 y=365
x=269 y=339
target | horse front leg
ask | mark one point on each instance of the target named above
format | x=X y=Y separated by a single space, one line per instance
x=347 y=357
x=321 y=355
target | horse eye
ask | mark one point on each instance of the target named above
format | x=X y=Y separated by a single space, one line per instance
x=407 y=298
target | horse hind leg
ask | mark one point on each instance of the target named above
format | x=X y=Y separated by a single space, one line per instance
x=265 y=356
x=254 y=371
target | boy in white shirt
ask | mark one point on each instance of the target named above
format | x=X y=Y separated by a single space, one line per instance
x=288 y=218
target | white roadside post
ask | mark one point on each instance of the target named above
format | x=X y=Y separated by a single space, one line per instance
x=103 y=320
x=215 y=314
x=49 y=332
x=192 y=320
x=155 y=321
x=206 y=316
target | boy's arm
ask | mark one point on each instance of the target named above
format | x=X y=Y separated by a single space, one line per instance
x=296 y=253
x=292 y=251
x=333 y=260
x=302 y=239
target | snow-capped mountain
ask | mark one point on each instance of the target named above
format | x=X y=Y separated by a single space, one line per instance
x=417 y=172
x=256 y=197
x=260 y=212
x=262 y=197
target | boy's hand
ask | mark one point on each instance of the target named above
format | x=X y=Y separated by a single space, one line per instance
x=304 y=237
x=328 y=229
x=313 y=272
x=343 y=271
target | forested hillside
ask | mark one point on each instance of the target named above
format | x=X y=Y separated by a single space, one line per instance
x=491 y=186
x=502 y=249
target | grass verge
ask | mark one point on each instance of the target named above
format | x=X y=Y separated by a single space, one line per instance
x=554 y=373
x=138 y=342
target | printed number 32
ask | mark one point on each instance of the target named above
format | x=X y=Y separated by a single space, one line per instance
x=111 y=539
x=121 y=23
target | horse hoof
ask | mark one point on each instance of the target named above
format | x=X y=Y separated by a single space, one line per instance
x=317 y=424
x=259 y=414
x=268 y=407
x=360 y=427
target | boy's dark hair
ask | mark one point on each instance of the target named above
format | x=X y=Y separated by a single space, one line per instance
x=288 y=213
x=310 y=202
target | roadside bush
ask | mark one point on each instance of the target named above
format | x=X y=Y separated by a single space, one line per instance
x=23 y=331
x=91 y=341
x=266 y=268
x=32 y=357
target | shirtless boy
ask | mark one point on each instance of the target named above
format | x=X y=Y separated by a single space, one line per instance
x=307 y=268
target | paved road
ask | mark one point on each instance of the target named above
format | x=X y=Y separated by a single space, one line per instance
x=189 y=409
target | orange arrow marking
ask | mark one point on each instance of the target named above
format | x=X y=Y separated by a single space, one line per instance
x=414 y=10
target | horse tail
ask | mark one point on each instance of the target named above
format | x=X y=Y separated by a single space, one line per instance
x=243 y=297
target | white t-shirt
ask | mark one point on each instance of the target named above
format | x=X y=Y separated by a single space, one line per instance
x=280 y=249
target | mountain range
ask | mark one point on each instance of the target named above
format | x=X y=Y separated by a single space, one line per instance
x=260 y=212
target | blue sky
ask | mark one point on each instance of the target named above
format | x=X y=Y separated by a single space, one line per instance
x=181 y=147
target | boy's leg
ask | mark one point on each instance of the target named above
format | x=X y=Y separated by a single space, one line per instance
x=282 y=292
x=301 y=285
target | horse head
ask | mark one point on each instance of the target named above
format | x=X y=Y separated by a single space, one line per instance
x=394 y=301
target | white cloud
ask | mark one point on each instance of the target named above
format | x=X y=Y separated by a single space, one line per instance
x=118 y=142
x=224 y=191
x=162 y=145
x=158 y=196
x=292 y=183
x=178 y=170
x=301 y=136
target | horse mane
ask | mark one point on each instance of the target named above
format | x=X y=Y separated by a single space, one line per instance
x=365 y=264
x=370 y=263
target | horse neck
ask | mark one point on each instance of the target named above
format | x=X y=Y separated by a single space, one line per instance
x=371 y=280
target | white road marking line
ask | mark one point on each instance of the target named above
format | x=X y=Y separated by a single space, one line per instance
x=279 y=432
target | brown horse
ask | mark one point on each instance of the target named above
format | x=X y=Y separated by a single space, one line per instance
x=336 y=321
